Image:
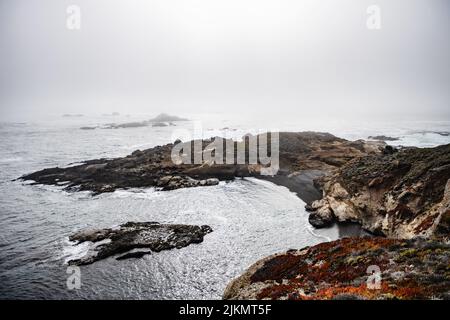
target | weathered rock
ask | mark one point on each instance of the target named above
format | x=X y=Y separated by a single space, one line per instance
x=321 y=218
x=298 y=153
x=133 y=235
x=160 y=124
x=402 y=195
x=126 y=125
x=407 y=269
x=164 y=117
x=383 y=138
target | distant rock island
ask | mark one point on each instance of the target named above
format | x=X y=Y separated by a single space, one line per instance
x=70 y=115
x=383 y=138
x=164 y=117
x=161 y=120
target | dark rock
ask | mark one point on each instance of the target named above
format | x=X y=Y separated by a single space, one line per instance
x=126 y=125
x=70 y=115
x=321 y=220
x=133 y=235
x=389 y=150
x=164 y=117
x=160 y=124
x=383 y=138
x=137 y=153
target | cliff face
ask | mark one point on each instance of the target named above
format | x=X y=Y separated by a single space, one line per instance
x=350 y=268
x=400 y=195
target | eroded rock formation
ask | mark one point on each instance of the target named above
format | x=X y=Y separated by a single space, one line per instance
x=401 y=195
x=152 y=236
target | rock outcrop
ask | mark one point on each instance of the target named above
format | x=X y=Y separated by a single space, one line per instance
x=350 y=268
x=402 y=194
x=154 y=167
x=136 y=235
x=164 y=117
x=383 y=138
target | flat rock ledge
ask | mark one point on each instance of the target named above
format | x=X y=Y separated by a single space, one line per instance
x=408 y=269
x=131 y=236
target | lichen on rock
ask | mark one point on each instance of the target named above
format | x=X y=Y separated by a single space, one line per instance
x=408 y=269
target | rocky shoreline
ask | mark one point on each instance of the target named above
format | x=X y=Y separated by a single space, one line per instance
x=401 y=196
x=303 y=156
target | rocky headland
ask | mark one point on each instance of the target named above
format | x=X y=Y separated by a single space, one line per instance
x=303 y=156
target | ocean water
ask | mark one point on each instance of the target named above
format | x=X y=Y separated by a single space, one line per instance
x=250 y=218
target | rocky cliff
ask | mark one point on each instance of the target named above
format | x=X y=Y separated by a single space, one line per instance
x=401 y=195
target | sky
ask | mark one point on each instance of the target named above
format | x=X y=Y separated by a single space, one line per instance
x=281 y=58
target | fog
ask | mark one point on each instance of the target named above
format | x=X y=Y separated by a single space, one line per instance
x=266 y=58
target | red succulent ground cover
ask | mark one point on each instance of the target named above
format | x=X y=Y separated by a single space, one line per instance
x=410 y=269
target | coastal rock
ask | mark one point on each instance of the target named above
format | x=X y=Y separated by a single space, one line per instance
x=402 y=194
x=303 y=156
x=160 y=124
x=70 y=115
x=383 y=138
x=350 y=268
x=126 y=125
x=164 y=117
x=136 y=235
x=322 y=217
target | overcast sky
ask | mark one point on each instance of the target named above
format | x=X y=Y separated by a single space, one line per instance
x=294 y=57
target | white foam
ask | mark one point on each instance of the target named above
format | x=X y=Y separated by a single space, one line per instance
x=8 y=160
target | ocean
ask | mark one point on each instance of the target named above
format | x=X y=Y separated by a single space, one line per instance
x=250 y=218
